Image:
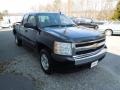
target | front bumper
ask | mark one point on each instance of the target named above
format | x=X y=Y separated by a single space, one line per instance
x=77 y=60
x=98 y=56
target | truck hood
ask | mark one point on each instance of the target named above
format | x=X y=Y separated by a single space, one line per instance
x=77 y=34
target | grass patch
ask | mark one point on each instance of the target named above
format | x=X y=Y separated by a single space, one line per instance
x=3 y=66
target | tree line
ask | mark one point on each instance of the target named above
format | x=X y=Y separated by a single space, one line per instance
x=116 y=15
x=3 y=13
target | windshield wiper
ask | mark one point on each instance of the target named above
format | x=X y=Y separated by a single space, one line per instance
x=68 y=25
x=63 y=25
x=52 y=26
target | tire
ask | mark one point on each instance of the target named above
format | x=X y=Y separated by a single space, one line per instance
x=96 y=27
x=108 y=32
x=18 y=41
x=46 y=61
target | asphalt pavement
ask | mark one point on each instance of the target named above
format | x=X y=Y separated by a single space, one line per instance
x=8 y=48
x=15 y=82
x=106 y=76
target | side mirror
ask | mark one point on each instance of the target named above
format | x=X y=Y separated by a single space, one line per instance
x=28 y=25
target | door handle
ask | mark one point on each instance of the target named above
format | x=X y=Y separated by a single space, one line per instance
x=26 y=30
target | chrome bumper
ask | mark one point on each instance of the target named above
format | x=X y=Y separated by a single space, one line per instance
x=79 y=60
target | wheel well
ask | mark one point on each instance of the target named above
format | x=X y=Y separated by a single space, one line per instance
x=109 y=30
x=41 y=46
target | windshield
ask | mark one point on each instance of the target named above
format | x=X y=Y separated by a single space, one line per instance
x=53 y=20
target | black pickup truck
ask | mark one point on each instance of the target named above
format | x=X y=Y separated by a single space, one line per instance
x=59 y=41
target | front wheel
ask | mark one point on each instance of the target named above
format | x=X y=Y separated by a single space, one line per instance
x=46 y=61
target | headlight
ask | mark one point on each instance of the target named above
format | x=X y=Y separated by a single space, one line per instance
x=62 y=48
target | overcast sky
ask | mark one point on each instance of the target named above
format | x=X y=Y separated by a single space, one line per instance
x=20 y=5
x=17 y=6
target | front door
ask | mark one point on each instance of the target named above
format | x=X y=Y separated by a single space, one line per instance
x=31 y=33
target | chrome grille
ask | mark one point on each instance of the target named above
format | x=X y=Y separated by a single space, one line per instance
x=86 y=55
x=85 y=49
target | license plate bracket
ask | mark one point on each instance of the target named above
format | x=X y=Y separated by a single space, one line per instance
x=93 y=64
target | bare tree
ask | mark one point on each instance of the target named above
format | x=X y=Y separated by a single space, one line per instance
x=57 y=5
x=5 y=12
x=1 y=16
x=49 y=7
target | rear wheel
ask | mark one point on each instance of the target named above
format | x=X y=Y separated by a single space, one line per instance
x=18 y=41
x=96 y=27
x=108 y=32
x=46 y=61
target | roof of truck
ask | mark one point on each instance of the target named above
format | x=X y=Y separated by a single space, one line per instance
x=34 y=13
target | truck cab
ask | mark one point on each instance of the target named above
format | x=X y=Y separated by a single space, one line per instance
x=59 y=41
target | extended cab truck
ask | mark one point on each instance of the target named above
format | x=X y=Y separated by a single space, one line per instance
x=59 y=41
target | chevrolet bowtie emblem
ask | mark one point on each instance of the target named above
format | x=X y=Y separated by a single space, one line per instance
x=95 y=45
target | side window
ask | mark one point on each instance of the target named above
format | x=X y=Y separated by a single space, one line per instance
x=25 y=19
x=32 y=20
